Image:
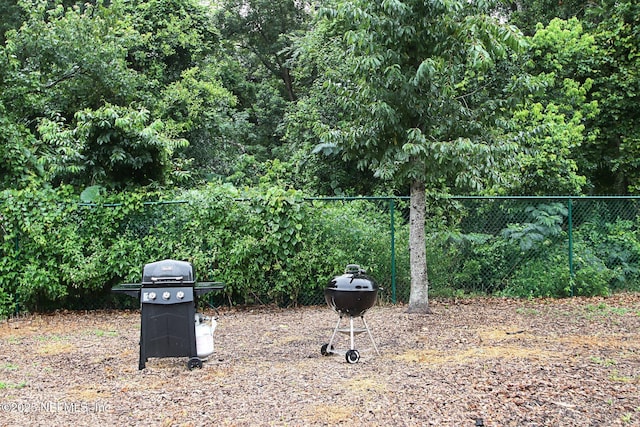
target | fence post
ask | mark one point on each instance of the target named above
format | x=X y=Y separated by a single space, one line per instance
x=393 y=250
x=570 y=219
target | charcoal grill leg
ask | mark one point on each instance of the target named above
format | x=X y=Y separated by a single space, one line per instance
x=370 y=336
x=351 y=333
x=329 y=346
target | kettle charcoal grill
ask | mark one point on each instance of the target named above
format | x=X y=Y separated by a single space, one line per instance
x=351 y=294
x=168 y=299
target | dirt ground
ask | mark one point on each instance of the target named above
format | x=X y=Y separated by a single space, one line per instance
x=491 y=362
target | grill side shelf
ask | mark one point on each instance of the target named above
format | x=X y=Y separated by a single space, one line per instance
x=201 y=288
x=131 y=289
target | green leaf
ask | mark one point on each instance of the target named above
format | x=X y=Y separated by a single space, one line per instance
x=91 y=194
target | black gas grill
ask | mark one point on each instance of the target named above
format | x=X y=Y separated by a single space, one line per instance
x=168 y=299
x=351 y=294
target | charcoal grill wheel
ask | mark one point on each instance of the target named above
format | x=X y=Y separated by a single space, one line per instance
x=194 y=362
x=324 y=351
x=352 y=356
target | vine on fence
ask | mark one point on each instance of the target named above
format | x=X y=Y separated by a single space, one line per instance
x=272 y=245
x=268 y=245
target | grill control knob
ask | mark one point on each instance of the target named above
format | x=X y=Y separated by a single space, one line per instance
x=152 y=295
x=166 y=295
x=180 y=295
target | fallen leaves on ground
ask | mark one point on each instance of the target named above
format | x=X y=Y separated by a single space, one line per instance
x=496 y=362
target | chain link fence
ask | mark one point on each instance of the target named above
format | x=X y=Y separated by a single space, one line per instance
x=514 y=246
x=536 y=246
x=510 y=246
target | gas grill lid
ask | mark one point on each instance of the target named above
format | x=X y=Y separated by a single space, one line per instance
x=168 y=272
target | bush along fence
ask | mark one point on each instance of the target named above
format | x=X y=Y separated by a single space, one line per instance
x=538 y=246
x=274 y=245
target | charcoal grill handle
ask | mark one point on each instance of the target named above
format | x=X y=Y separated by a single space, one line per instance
x=173 y=279
x=352 y=268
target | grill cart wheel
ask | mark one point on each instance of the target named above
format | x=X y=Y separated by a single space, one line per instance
x=352 y=356
x=324 y=351
x=194 y=362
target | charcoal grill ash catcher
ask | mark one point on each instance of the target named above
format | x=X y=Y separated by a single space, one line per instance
x=169 y=323
x=350 y=294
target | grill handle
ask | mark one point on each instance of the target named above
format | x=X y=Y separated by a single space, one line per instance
x=165 y=279
x=354 y=269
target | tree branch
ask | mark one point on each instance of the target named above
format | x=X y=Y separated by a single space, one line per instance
x=75 y=70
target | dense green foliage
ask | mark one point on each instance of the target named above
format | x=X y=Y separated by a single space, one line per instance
x=267 y=246
x=617 y=91
x=407 y=89
x=230 y=86
x=214 y=101
x=521 y=248
x=272 y=245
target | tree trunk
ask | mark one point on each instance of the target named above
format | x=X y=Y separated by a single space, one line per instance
x=419 y=296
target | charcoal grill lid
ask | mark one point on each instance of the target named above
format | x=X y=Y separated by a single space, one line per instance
x=353 y=279
x=352 y=293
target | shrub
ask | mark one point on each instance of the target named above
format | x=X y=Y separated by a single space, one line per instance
x=271 y=245
x=268 y=245
x=548 y=275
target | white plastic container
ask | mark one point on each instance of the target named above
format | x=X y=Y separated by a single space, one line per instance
x=205 y=326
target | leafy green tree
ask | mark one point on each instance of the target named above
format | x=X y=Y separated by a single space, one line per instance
x=174 y=36
x=18 y=165
x=553 y=104
x=59 y=61
x=11 y=17
x=601 y=57
x=261 y=29
x=257 y=37
x=597 y=54
x=66 y=60
x=617 y=91
x=405 y=99
x=526 y=15
x=108 y=93
x=199 y=109
x=113 y=146
x=179 y=52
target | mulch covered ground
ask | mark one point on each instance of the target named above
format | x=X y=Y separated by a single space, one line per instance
x=491 y=362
